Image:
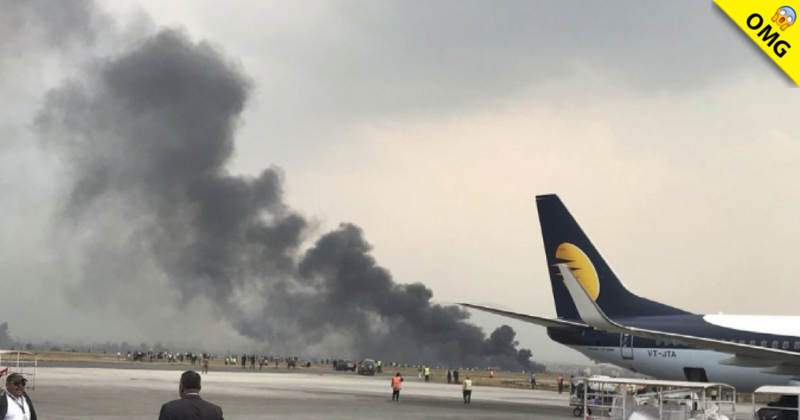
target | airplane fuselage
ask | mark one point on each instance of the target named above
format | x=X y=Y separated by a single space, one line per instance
x=668 y=361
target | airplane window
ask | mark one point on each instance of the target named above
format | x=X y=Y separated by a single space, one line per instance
x=763 y=343
x=752 y=342
x=797 y=345
x=774 y=344
x=742 y=342
x=785 y=345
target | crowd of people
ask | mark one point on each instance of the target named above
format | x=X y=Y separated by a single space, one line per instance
x=165 y=356
x=252 y=360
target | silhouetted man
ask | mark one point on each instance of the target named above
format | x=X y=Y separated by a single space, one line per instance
x=190 y=406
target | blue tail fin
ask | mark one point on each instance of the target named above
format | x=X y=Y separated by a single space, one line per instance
x=565 y=242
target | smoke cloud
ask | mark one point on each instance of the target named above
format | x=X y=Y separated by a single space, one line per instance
x=152 y=213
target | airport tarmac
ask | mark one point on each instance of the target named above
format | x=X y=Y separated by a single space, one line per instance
x=108 y=393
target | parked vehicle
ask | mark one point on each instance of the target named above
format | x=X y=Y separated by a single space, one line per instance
x=345 y=365
x=634 y=398
x=367 y=367
x=782 y=405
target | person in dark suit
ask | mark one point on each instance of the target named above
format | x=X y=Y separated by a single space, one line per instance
x=190 y=406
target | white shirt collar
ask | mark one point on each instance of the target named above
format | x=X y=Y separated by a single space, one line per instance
x=14 y=411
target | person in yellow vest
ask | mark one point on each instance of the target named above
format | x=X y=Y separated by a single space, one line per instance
x=427 y=374
x=466 y=389
x=397 y=385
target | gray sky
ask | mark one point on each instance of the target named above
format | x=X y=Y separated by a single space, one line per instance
x=433 y=126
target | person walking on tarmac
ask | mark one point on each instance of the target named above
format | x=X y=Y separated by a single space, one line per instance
x=533 y=380
x=379 y=366
x=560 y=384
x=427 y=374
x=397 y=385
x=466 y=389
x=449 y=376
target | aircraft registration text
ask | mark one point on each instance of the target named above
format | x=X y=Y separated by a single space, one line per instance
x=661 y=353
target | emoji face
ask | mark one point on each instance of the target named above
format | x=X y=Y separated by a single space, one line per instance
x=784 y=17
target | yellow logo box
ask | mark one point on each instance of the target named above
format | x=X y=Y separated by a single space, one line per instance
x=771 y=25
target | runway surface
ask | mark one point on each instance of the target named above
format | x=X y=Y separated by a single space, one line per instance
x=108 y=393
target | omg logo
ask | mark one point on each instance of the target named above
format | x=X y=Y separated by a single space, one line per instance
x=784 y=18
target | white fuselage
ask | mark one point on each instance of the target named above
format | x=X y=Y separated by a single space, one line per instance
x=668 y=363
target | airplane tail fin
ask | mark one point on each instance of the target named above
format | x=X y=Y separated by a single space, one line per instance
x=565 y=242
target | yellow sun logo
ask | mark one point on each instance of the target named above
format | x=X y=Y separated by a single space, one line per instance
x=581 y=267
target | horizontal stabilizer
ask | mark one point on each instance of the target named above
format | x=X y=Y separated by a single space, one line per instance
x=545 y=322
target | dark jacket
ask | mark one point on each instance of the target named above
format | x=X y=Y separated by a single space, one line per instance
x=4 y=405
x=190 y=407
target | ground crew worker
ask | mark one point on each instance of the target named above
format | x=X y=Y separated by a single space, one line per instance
x=397 y=385
x=379 y=365
x=449 y=376
x=466 y=389
x=533 y=380
x=427 y=374
x=713 y=394
x=491 y=373
x=560 y=384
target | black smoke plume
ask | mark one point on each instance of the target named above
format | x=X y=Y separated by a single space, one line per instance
x=145 y=138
